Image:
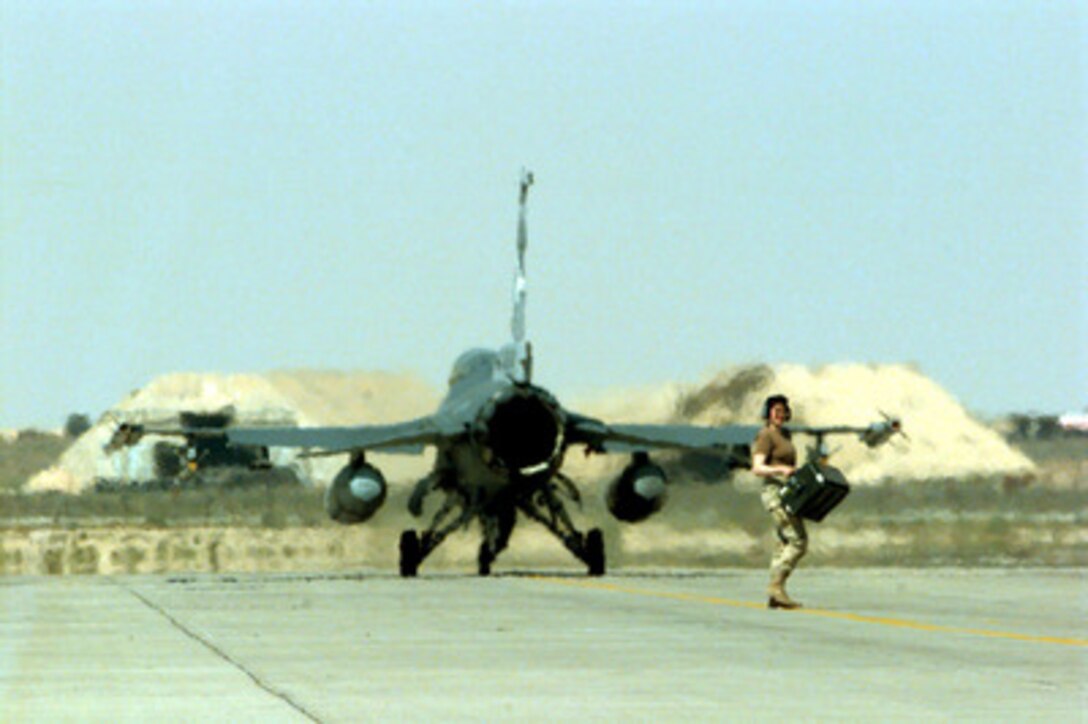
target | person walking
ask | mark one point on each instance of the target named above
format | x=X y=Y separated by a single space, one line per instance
x=774 y=458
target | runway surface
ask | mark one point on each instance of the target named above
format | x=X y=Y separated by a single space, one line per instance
x=876 y=643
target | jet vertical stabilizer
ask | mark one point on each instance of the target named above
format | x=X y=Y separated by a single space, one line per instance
x=517 y=357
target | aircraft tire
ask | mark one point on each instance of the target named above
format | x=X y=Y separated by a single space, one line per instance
x=409 y=554
x=483 y=560
x=595 y=552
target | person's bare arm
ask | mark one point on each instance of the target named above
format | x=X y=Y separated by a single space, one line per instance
x=763 y=470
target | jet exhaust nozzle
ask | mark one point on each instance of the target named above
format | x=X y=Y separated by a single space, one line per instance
x=638 y=492
x=356 y=493
x=521 y=431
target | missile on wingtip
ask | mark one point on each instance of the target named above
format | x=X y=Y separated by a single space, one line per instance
x=879 y=433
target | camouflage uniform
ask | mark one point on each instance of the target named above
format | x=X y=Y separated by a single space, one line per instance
x=792 y=537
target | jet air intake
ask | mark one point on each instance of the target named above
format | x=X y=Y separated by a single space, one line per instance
x=520 y=431
x=356 y=493
x=638 y=492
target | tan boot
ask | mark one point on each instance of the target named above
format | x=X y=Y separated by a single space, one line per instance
x=776 y=592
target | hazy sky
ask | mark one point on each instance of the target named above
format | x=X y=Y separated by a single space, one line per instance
x=247 y=186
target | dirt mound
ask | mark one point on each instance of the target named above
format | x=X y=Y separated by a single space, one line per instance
x=352 y=398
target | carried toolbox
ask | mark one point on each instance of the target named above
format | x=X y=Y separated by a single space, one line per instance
x=814 y=490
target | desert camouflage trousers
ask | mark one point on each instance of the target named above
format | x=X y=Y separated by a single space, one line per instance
x=792 y=537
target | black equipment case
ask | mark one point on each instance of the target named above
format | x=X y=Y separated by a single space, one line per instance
x=814 y=490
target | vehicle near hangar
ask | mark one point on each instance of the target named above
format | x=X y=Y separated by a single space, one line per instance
x=190 y=449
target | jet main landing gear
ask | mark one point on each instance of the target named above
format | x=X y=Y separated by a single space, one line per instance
x=409 y=554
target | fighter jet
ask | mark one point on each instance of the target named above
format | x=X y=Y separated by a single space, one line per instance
x=500 y=442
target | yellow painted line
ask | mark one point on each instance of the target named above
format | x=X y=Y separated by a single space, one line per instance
x=857 y=618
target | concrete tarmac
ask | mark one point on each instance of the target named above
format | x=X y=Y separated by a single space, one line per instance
x=887 y=644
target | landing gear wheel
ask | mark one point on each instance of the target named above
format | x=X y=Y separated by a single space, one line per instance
x=595 y=552
x=409 y=554
x=483 y=560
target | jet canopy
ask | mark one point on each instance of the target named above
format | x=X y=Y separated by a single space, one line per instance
x=474 y=364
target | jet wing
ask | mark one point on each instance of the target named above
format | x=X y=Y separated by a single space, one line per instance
x=404 y=437
x=623 y=438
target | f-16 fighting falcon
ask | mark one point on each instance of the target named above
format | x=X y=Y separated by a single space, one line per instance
x=500 y=442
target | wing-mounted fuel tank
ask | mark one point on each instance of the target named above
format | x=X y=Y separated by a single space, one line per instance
x=356 y=492
x=638 y=492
